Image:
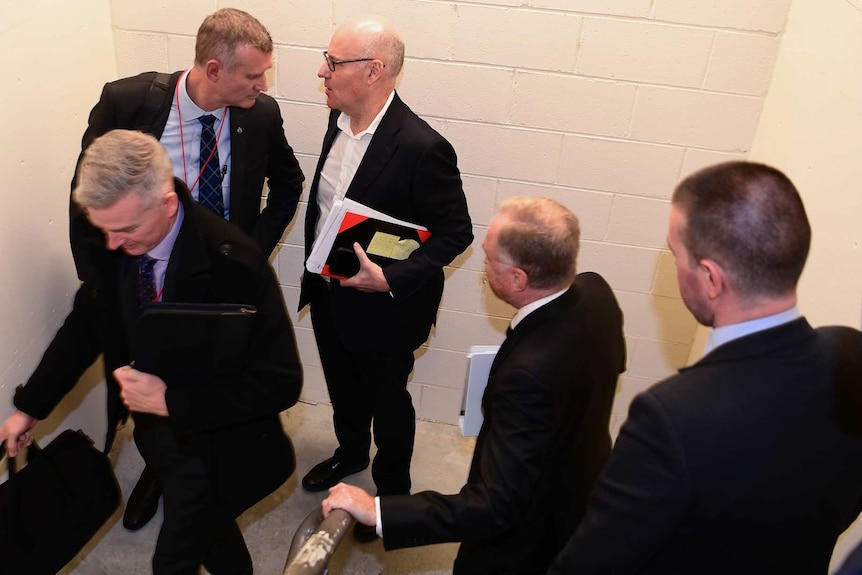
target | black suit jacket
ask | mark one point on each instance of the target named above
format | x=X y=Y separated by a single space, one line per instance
x=259 y=151
x=409 y=172
x=543 y=441
x=735 y=465
x=232 y=422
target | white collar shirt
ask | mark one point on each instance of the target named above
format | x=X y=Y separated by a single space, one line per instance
x=343 y=160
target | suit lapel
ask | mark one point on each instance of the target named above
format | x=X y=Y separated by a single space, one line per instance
x=238 y=149
x=328 y=140
x=189 y=272
x=532 y=322
x=380 y=151
x=312 y=212
x=128 y=278
x=523 y=330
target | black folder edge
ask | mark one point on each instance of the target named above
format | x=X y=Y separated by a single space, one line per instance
x=342 y=261
x=325 y=244
x=154 y=326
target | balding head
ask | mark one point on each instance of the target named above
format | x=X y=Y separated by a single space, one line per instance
x=375 y=37
x=363 y=60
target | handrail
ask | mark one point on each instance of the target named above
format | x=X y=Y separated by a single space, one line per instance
x=315 y=541
x=305 y=530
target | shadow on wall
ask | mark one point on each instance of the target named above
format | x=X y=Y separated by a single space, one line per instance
x=676 y=328
x=91 y=382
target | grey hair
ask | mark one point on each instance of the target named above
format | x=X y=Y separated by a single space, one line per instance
x=543 y=238
x=119 y=163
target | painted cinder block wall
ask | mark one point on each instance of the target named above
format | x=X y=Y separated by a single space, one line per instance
x=603 y=106
x=810 y=127
x=52 y=73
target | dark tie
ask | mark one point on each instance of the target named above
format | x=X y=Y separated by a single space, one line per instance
x=209 y=184
x=146 y=280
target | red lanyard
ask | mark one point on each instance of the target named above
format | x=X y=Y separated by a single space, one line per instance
x=183 y=143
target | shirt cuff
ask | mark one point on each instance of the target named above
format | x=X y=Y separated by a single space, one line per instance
x=379 y=526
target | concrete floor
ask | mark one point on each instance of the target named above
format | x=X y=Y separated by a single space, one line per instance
x=440 y=462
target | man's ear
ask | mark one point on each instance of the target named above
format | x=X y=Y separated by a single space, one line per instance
x=170 y=202
x=375 y=71
x=212 y=69
x=519 y=279
x=714 y=278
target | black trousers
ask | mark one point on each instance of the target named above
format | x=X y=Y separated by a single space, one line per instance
x=195 y=530
x=367 y=388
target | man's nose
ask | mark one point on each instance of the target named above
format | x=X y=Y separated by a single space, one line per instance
x=115 y=241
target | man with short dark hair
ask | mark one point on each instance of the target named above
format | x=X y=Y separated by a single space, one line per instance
x=220 y=97
x=192 y=434
x=738 y=464
x=379 y=153
x=545 y=434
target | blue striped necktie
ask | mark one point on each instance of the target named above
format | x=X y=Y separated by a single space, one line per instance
x=146 y=279
x=209 y=182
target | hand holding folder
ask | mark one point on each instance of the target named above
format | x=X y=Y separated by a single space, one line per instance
x=383 y=238
x=188 y=343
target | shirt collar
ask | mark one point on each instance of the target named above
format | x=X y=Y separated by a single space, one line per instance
x=190 y=110
x=164 y=248
x=726 y=333
x=533 y=306
x=343 y=121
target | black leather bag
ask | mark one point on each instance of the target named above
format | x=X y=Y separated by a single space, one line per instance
x=52 y=507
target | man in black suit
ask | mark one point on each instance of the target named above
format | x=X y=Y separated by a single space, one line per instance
x=545 y=434
x=737 y=464
x=378 y=152
x=232 y=54
x=216 y=444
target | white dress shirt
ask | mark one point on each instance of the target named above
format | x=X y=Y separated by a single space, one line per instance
x=343 y=160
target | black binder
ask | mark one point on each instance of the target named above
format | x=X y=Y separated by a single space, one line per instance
x=342 y=261
x=383 y=238
x=192 y=343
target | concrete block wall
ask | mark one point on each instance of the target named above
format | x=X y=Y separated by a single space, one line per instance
x=603 y=106
x=40 y=144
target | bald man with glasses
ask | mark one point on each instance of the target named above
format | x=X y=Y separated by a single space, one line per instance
x=376 y=151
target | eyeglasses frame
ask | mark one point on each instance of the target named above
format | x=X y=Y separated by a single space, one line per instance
x=331 y=63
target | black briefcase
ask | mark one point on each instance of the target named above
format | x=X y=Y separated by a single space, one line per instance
x=53 y=506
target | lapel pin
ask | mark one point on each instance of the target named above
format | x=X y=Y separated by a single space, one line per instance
x=239 y=130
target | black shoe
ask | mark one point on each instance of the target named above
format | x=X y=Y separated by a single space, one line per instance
x=143 y=502
x=327 y=473
x=364 y=533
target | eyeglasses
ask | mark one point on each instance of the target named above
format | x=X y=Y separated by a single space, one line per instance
x=331 y=62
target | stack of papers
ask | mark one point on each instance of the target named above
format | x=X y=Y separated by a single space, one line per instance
x=385 y=239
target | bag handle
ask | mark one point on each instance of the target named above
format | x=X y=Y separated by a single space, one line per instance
x=33 y=451
x=10 y=461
